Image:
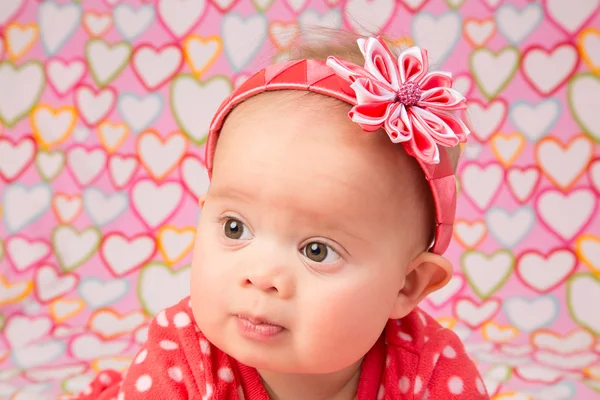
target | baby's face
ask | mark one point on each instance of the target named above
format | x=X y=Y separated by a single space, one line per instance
x=303 y=238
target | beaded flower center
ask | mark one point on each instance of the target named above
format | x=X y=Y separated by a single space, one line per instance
x=409 y=94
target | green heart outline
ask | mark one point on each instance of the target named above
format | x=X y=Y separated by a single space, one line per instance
x=140 y=278
x=572 y=108
x=36 y=98
x=86 y=257
x=500 y=283
x=178 y=121
x=495 y=54
x=117 y=72
x=44 y=177
x=507 y=375
x=592 y=384
x=569 y=292
x=262 y=10
x=454 y=7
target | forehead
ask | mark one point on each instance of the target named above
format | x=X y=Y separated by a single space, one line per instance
x=297 y=147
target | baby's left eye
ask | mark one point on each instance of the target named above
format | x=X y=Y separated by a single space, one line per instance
x=319 y=252
x=236 y=230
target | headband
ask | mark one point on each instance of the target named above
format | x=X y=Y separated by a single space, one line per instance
x=412 y=105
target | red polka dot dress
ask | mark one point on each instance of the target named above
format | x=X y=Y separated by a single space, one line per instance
x=414 y=359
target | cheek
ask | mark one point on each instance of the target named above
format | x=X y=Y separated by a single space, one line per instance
x=206 y=280
x=355 y=306
x=345 y=323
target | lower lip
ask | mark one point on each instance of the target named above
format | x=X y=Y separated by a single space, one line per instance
x=258 y=331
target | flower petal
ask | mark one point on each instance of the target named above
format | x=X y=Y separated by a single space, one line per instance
x=369 y=90
x=398 y=125
x=413 y=64
x=370 y=116
x=423 y=147
x=442 y=98
x=429 y=124
x=459 y=128
x=436 y=79
x=380 y=62
x=347 y=71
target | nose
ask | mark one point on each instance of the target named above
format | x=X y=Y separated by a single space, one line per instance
x=273 y=281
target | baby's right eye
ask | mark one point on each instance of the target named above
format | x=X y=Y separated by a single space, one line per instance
x=236 y=230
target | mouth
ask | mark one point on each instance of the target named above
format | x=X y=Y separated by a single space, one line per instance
x=257 y=327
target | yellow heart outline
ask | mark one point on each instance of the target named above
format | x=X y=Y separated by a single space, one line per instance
x=37 y=134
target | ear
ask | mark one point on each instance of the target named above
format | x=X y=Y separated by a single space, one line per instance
x=425 y=274
x=202 y=200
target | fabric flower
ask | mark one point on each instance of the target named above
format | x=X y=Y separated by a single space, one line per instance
x=414 y=106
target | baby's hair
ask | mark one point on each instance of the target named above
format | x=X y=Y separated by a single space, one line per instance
x=342 y=44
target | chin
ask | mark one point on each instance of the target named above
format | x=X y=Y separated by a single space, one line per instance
x=259 y=357
x=281 y=363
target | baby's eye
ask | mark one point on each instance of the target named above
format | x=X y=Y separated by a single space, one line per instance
x=319 y=252
x=234 y=229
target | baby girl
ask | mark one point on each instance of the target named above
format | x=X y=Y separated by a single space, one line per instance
x=331 y=203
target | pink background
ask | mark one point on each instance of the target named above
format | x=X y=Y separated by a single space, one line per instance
x=89 y=252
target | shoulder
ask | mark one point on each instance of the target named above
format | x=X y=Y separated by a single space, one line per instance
x=413 y=332
x=409 y=342
x=166 y=362
x=424 y=357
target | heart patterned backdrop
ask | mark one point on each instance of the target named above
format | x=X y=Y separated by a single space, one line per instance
x=104 y=108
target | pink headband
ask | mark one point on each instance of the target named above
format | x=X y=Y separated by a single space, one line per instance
x=411 y=104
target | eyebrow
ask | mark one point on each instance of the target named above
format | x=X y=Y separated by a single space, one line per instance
x=230 y=194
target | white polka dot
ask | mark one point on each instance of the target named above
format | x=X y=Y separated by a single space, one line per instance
x=175 y=374
x=455 y=385
x=161 y=319
x=121 y=396
x=204 y=346
x=381 y=392
x=168 y=345
x=480 y=386
x=425 y=395
x=226 y=374
x=189 y=303
x=141 y=356
x=141 y=335
x=405 y=336
x=422 y=318
x=104 y=379
x=87 y=391
x=387 y=361
x=426 y=339
x=209 y=392
x=143 y=383
x=436 y=357
x=418 y=385
x=404 y=384
x=181 y=320
x=449 y=352
x=241 y=393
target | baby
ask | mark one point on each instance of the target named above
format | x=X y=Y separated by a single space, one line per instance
x=329 y=183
